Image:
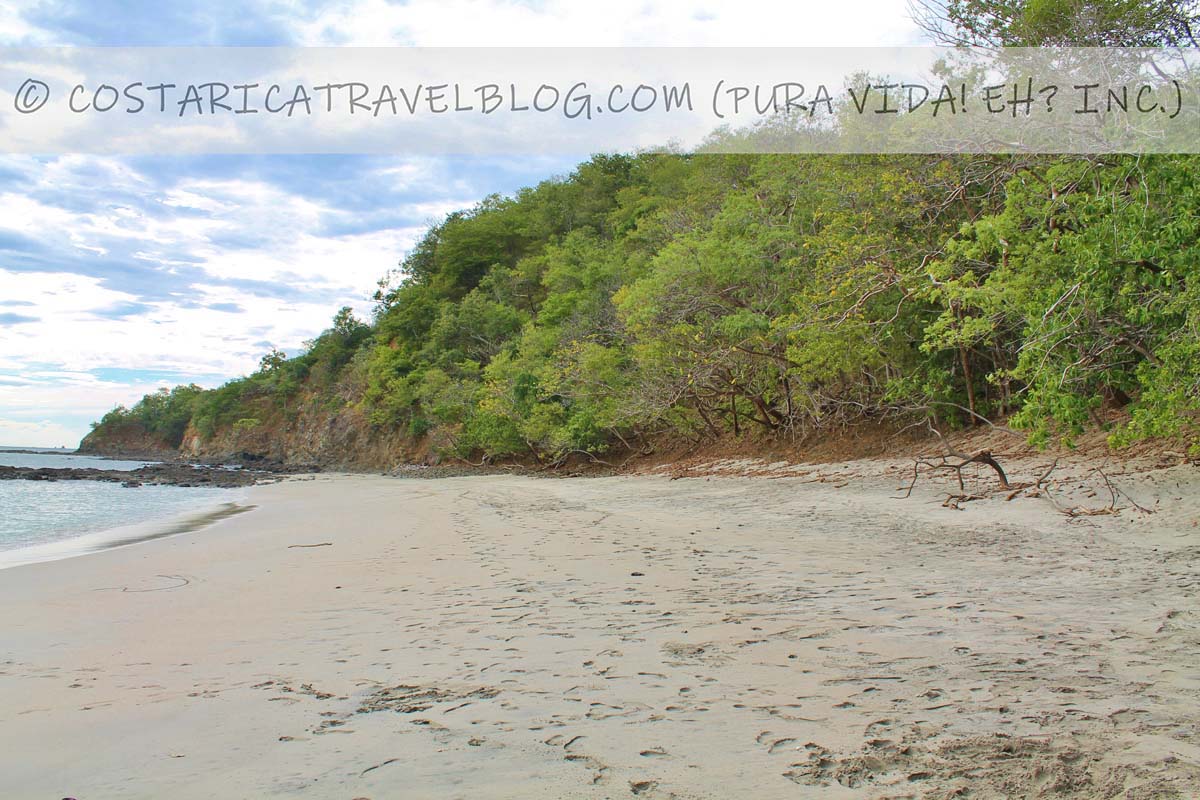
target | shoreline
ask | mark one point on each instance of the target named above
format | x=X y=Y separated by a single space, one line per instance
x=366 y=636
x=82 y=536
x=91 y=542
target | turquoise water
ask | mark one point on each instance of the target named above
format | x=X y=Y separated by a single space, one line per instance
x=48 y=516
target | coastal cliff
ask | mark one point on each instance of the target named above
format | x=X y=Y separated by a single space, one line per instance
x=128 y=440
x=313 y=434
x=334 y=439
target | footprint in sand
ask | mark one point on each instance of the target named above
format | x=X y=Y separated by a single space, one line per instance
x=878 y=726
x=816 y=770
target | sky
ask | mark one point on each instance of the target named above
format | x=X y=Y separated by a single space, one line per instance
x=120 y=275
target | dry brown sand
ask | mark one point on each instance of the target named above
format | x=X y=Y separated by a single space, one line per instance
x=701 y=638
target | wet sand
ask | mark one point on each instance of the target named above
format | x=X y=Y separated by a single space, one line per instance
x=367 y=637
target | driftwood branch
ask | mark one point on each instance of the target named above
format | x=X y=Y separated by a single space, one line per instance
x=1017 y=488
x=947 y=464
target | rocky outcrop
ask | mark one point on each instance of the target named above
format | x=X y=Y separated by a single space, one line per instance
x=129 y=440
x=152 y=475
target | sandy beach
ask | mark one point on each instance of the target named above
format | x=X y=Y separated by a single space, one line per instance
x=710 y=637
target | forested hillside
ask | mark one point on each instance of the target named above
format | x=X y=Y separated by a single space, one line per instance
x=697 y=297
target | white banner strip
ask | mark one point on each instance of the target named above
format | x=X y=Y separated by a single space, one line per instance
x=499 y=101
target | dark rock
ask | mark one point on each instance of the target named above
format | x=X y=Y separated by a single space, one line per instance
x=151 y=475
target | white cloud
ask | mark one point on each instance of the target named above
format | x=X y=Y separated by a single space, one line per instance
x=42 y=433
x=15 y=30
x=50 y=409
x=62 y=295
x=568 y=23
x=222 y=231
x=560 y=23
x=71 y=331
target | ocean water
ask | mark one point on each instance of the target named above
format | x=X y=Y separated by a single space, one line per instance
x=42 y=520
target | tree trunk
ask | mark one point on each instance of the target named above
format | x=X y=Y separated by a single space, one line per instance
x=966 y=365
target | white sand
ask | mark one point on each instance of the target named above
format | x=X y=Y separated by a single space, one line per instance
x=485 y=637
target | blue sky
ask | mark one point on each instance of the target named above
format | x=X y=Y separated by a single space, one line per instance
x=119 y=275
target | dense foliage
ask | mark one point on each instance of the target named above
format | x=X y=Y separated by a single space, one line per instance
x=698 y=296
x=163 y=415
x=714 y=294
